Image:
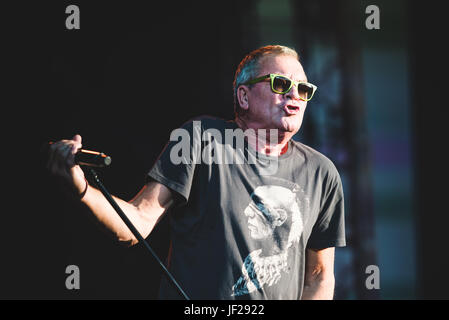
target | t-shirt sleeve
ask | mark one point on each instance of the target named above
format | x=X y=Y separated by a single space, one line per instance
x=175 y=166
x=329 y=229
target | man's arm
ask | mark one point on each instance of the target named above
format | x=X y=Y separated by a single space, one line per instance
x=144 y=211
x=319 y=278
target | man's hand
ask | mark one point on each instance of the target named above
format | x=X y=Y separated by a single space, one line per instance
x=61 y=163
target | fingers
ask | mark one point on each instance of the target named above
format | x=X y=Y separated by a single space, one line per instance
x=61 y=155
x=61 y=164
x=76 y=143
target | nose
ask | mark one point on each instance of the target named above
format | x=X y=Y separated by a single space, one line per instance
x=293 y=94
x=249 y=211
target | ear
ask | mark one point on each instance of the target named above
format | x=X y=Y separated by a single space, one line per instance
x=242 y=97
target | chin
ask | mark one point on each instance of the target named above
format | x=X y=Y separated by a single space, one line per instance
x=289 y=126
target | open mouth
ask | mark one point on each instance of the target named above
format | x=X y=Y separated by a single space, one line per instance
x=291 y=109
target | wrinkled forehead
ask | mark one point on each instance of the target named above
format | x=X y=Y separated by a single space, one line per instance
x=273 y=195
x=286 y=65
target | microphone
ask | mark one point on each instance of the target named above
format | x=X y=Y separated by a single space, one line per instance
x=92 y=158
x=86 y=157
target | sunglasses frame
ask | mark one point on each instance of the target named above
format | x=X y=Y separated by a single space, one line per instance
x=272 y=76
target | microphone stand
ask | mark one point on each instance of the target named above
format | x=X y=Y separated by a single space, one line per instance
x=135 y=232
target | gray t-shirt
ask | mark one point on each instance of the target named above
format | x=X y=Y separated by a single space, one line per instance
x=240 y=230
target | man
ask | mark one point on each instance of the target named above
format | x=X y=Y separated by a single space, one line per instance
x=238 y=231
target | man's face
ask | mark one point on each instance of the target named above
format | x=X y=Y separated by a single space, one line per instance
x=269 y=110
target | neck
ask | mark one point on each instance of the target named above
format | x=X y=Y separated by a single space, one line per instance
x=261 y=139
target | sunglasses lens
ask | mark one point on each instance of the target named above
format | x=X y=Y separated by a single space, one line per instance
x=281 y=85
x=305 y=91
